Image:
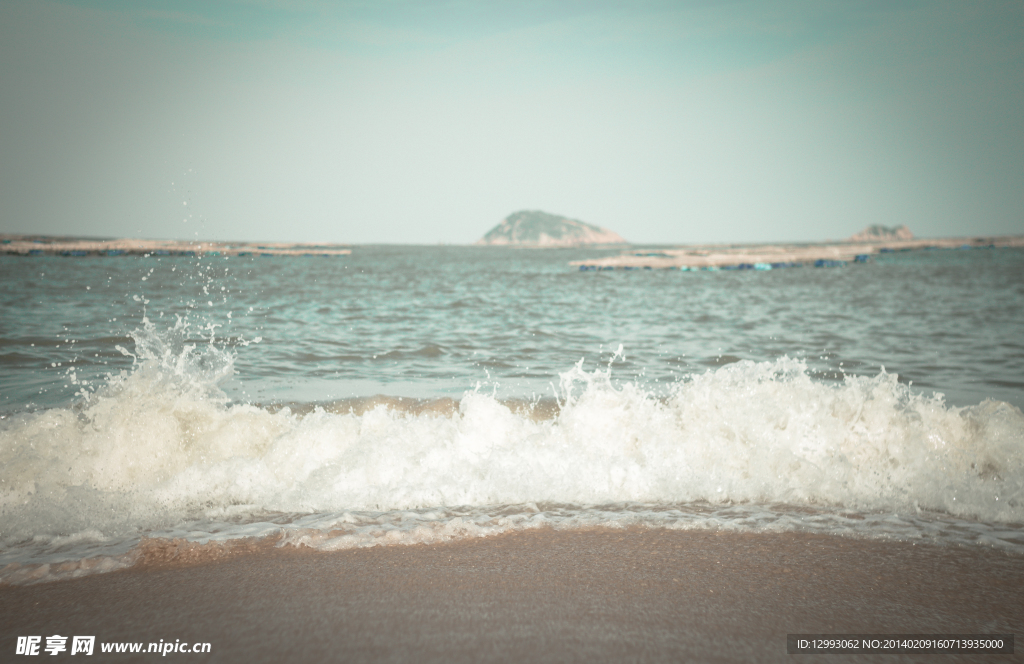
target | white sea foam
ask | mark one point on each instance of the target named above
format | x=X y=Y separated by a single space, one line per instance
x=160 y=451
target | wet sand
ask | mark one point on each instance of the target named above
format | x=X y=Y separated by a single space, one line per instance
x=546 y=596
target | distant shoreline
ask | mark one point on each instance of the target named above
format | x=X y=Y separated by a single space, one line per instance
x=668 y=256
x=774 y=256
x=42 y=245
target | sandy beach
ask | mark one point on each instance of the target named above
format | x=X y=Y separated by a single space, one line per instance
x=544 y=596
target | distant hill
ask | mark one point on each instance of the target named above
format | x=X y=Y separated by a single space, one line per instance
x=533 y=228
x=878 y=233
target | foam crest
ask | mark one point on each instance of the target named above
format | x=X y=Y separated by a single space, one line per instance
x=767 y=431
x=161 y=446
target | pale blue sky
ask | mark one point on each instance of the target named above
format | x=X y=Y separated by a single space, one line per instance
x=424 y=122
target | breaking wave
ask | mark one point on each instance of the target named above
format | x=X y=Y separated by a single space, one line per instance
x=160 y=451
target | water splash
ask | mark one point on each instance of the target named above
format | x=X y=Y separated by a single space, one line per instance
x=160 y=449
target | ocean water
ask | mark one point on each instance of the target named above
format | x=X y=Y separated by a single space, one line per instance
x=422 y=394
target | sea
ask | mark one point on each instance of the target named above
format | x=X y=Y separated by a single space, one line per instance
x=404 y=395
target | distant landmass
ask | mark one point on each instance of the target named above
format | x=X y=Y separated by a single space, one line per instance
x=533 y=228
x=46 y=245
x=878 y=233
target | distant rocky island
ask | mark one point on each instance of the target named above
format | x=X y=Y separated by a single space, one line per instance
x=879 y=233
x=533 y=228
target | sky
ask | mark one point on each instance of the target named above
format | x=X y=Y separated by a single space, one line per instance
x=419 y=122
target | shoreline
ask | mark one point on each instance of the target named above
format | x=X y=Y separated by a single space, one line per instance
x=784 y=255
x=590 y=595
x=828 y=253
x=43 y=245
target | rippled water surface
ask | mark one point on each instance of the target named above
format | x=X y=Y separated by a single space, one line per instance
x=432 y=321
